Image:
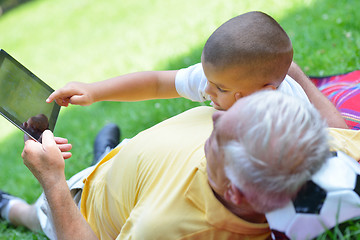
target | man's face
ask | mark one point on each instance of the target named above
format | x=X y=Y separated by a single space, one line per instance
x=226 y=86
x=224 y=126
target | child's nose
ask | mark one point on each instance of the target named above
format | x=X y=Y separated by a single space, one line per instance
x=210 y=89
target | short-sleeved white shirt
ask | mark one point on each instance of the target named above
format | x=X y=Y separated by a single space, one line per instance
x=191 y=82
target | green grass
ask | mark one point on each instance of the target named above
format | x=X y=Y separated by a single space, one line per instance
x=87 y=40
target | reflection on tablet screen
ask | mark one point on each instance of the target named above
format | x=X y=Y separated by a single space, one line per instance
x=36 y=125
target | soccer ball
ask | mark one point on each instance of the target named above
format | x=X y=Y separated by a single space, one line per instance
x=329 y=198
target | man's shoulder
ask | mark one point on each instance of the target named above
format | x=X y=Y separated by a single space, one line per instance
x=188 y=128
x=198 y=112
x=201 y=115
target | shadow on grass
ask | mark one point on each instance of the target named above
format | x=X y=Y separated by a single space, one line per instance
x=7 y=5
x=314 y=30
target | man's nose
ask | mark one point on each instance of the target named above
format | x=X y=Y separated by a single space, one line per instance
x=216 y=115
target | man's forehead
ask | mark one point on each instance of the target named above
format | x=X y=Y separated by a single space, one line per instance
x=226 y=124
x=236 y=108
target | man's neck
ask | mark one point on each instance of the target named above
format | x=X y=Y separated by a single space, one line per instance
x=245 y=213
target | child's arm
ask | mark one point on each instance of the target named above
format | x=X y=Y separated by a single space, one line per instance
x=130 y=87
x=324 y=106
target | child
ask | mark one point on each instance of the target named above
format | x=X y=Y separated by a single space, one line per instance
x=248 y=53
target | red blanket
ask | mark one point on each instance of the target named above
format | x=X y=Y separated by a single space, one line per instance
x=344 y=92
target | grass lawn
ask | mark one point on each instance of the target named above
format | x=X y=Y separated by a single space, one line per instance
x=87 y=40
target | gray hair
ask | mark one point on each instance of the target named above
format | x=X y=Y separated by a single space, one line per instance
x=280 y=143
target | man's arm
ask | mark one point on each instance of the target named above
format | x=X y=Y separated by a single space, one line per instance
x=327 y=110
x=46 y=162
x=130 y=87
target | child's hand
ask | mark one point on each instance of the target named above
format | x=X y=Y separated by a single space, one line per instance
x=75 y=93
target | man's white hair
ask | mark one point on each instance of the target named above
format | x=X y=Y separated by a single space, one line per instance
x=281 y=142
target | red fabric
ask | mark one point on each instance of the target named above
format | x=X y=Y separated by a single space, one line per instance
x=344 y=92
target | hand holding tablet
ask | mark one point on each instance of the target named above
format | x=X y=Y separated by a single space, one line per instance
x=23 y=98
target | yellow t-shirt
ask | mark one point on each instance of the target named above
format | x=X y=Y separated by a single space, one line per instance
x=347 y=141
x=155 y=187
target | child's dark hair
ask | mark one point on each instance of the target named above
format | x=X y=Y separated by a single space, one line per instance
x=254 y=40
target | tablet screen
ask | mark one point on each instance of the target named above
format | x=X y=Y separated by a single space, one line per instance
x=23 y=98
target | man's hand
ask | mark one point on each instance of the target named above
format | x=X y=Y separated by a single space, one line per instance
x=46 y=160
x=74 y=92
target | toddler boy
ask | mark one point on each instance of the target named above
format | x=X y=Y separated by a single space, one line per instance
x=248 y=53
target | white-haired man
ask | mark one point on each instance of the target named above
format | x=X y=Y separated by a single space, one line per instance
x=163 y=185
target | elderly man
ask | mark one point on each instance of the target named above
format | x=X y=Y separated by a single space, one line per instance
x=173 y=181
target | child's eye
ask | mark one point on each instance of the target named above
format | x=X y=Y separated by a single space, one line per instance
x=220 y=89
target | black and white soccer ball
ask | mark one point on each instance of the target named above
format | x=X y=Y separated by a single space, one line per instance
x=331 y=197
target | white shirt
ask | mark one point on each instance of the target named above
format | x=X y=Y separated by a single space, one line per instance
x=191 y=82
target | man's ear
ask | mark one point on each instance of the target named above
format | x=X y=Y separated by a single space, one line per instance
x=234 y=195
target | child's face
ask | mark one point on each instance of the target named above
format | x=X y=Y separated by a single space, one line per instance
x=226 y=86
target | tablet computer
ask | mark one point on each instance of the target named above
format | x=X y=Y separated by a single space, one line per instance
x=23 y=98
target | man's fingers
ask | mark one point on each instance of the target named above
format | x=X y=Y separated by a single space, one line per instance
x=31 y=149
x=63 y=144
x=60 y=140
x=65 y=147
x=29 y=145
x=48 y=139
x=66 y=155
